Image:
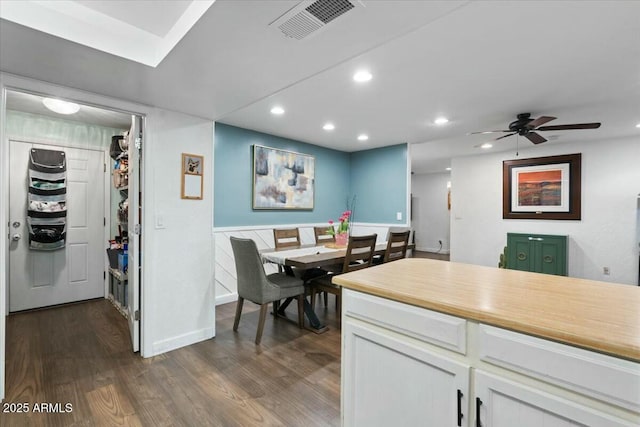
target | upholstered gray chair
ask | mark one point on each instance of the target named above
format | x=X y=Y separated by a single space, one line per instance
x=258 y=287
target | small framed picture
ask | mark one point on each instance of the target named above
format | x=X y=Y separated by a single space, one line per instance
x=192 y=176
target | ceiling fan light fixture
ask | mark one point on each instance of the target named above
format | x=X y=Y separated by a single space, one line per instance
x=441 y=121
x=61 y=107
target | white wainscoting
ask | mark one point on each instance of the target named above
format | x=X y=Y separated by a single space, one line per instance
x=225 y=268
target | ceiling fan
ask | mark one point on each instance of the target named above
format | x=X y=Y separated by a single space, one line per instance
x=528 y=127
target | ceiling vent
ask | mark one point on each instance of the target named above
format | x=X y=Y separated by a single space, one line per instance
x=310 y=16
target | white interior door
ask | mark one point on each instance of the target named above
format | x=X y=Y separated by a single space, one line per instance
x=134 y=272
x=75 y=272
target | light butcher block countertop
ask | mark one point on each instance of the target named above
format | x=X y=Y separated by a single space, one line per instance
x=599 y=316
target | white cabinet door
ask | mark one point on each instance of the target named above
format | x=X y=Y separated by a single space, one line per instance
x=388 y=381
x=503 y=403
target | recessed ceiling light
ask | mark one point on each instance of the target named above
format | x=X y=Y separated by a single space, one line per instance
x=328 y=126
x=448 y=169
x=277 y=110
x=441 y=121
x=363 y=137
x=638 y=125
x=486 y=145
x=61 y=107
x=362 y=76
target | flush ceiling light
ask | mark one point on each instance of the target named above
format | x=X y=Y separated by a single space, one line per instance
x=363 y=137
x=638 y=125
x=486 y=145
x=448 y=169
x=61 y=107
x=328 y=126
x=362 y=76
x=277 y=110
x=441 y=121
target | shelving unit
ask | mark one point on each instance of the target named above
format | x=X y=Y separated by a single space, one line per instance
x=118 y=281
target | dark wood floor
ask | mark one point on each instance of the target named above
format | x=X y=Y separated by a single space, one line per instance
x=79 y=354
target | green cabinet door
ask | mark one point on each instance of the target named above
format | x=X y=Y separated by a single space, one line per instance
x=540 y=253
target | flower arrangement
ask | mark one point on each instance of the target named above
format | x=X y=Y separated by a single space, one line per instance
x=343 y=226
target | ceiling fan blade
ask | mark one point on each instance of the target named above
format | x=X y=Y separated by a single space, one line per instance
x=488 y=131
x=570 y=127
x=535 y=138
x=504 y=136
x=539 y=121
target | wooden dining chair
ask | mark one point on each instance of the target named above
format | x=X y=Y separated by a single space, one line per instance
x=258 y=287
x=322 y=235
x=286 y=237
x=396 y=246
x=359 y=255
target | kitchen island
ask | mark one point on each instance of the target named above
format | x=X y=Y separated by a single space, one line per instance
x=436 y=343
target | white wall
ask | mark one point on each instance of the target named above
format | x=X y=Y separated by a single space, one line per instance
x=178 y=298
x=430 y=212
x=604 y=237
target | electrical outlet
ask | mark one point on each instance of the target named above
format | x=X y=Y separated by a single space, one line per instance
x=605 y=271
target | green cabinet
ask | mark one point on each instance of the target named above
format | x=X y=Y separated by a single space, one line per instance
x=540 y=253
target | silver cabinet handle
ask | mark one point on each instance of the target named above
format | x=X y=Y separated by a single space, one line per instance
x=16 y=237
x=537 y=239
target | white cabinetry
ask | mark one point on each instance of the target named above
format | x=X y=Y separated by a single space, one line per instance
x=505 y=403
x=390 y=376
x=391 y=382
x=404 y=365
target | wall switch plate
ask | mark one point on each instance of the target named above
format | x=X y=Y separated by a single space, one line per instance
x=399 y=216
x=160 y=221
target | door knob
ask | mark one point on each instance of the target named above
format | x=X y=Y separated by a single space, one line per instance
x=16 y=237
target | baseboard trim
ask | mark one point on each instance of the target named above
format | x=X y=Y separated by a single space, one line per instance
x=433 y=250
x=227 y=298
x=184 y=340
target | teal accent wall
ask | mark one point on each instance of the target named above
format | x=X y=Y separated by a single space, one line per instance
x=233 y=148
x=378 y=179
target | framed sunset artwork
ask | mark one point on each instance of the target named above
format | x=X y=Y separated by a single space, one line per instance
x=542 y=188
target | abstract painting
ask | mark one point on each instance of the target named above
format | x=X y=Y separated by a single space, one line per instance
x=282 y=179
x=542 y=188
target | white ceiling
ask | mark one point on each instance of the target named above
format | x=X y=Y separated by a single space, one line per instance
x=477 y=62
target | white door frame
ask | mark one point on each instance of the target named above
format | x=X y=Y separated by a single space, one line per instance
x=23 y=84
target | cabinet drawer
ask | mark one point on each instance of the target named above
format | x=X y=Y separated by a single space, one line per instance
x=436 y=328
x=603 y=377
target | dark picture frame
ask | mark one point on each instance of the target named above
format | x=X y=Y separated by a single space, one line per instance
x=542 y=188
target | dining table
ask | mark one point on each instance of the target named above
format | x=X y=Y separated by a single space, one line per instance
x=305 y=257
x=311 y=258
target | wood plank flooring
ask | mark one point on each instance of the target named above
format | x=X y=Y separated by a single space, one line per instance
x=80 y=355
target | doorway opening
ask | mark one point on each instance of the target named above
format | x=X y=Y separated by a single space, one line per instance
x=74 y=192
